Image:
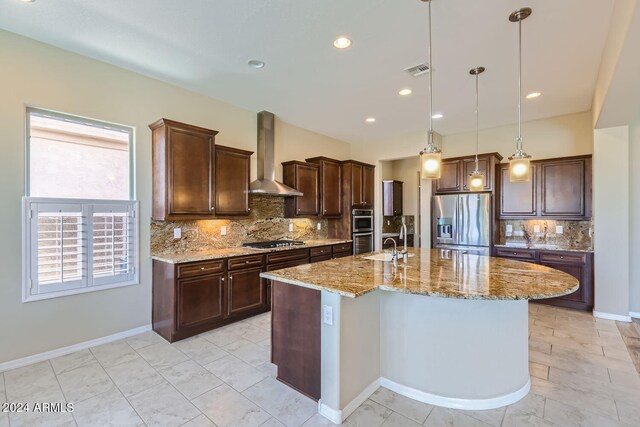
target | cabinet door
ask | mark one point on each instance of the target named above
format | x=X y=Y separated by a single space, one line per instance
x=200 y=300
x=368 y=190
x=449 y=181
x=577 y=271
x=232 y=182
x=484 y=165
x=331 y=192
x=562 y=188
x=397 y=198
x=356 y=185
x=517 y=199
x=190 y=180
x=245 y=291
x=307 y=183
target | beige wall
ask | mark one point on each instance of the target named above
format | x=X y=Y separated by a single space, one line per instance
x=611 y=220
x=39 y=75
x=634 y=215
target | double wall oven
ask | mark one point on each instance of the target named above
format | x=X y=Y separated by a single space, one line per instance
x=362 y=230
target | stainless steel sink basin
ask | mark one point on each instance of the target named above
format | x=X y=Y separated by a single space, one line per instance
x=386 y=256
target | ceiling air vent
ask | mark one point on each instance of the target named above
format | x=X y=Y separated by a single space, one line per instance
x=418 y=70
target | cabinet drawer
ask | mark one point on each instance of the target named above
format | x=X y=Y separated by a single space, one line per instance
x=285 y=256
x=573 y=257
x=342 y=247
x=244 y=262
x=326 y=257
x=524 y=254
x=321 y=251
x=199 y=268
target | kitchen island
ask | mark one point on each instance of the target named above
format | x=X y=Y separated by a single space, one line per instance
x=445 y=328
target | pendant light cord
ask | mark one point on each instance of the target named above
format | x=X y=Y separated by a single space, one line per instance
x=477 y=122
x=519 y=142
x=430 y=136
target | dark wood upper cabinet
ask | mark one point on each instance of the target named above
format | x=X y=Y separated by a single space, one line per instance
x=305 y=178
x=183 y=171
x=565 y=188
x=517 y=199
x=392 y=198
x=359 y=182
x=330 y=172
x=456 y=171
x=450 y=179
x=232 y=181
x=368 y=186
x=558 y=189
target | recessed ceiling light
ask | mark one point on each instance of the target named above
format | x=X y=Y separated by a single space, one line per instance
x=254 y=63
x=27 y=1
x=533 y=95
x=405 y=92
x=342 y=42
x=370 y=119
x=437 y=116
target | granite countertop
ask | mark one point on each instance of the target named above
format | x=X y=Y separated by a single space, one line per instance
x=544 y=247
x=430 y=273
x=218 y=253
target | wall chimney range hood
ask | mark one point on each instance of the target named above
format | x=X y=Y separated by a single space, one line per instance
x=266 y=183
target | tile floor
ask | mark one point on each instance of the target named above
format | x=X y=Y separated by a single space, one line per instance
x=581 y=372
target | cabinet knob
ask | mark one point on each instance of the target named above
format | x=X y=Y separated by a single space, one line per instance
x=213 y=208
x=246 y=262
x=230 y=277
x=561 y=257
x=248 y=209
x=325 y=211
x=222 y=279
x=201 y=268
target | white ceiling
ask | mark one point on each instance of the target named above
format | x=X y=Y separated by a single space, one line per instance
x=204 y=45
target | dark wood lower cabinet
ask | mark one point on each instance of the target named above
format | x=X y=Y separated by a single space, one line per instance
x=577 y=264
x=191 y=298
x=295 y=337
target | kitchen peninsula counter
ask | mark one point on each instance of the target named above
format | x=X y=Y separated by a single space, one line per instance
x=445 y=328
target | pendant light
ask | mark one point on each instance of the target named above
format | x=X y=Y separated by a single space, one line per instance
x=476 y=178
x=519 y=167
x=431 y=156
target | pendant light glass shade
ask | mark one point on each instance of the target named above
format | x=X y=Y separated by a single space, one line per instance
x=431 y=163
x=431 y=156
x=519 y=167
x=476 y=181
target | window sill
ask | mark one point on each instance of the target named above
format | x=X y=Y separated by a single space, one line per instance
x=41 y=297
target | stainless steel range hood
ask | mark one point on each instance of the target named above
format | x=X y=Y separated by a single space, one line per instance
x=266 y=183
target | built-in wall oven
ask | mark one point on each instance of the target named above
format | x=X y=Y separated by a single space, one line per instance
x=362 y=226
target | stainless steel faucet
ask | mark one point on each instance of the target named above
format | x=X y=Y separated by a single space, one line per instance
x=394 y=254
x=403 y=235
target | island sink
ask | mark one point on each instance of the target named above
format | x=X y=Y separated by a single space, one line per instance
x=449 y=331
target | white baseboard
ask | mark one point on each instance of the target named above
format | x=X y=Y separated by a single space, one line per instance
x=635 y=314
x=610 y=316
x=337 y=416
x=455 y=403
x=29 y=360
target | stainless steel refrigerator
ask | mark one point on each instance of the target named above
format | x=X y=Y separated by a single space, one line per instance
x=462 y=222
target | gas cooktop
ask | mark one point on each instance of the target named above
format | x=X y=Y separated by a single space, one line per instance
x=273 y=244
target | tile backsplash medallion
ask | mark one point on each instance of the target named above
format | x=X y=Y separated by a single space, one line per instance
x=575 y=234
x=392 y=224
x=266 y=222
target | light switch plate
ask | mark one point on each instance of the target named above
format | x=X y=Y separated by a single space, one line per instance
x=319 y=226
x=223 y=230
x=177 y=233
x=559 y=229
x=291 y=227
x=536 y=228
x=327 y=315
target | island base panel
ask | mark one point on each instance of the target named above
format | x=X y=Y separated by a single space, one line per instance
x=295 y=337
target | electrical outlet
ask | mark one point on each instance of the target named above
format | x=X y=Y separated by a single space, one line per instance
x=509 y=228
x=518 y=233
x=291 y=227
x=559 y=229
x=319 y=226
x=327 y=315
x=536 y=229
x=388 y=222
x=223 y=230
x=177 y=233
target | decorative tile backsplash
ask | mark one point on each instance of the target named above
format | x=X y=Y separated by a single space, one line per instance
x=578 y=234
x=266 y=222
x=392 y=224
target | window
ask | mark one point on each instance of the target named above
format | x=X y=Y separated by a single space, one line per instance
x=80 y=230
